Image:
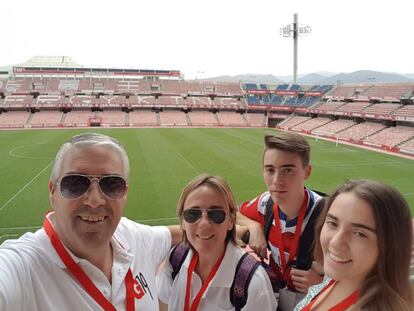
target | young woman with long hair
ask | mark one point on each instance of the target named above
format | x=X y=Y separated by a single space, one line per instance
x=364 y=239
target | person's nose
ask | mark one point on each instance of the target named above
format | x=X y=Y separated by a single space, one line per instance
x=277 y=178
x=204 y=220
x=94 y=196
x=339 y=239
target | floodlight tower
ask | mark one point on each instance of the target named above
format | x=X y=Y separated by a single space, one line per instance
x=294 y=31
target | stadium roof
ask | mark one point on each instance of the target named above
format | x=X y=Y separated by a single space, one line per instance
x=51 y=61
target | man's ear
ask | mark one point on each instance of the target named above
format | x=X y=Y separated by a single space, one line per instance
x=308 y=171
x=51 y=186
x=52 y=190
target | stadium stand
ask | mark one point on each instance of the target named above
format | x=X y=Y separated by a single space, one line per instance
x=408 y=145
x=227 y=118
x=334 y=127
x=405 y=111
x=361 y=130
x=203 y=118
x=2 y=85
x=142 y=118
x=148 y=101
x=78 y=118
x=168 y=100
x=229 y=103
x=127 y=97
x=18 y=101
x=86 y=101
x=17 y=85
x=391 y=136
x=200 y=101
x=117 y=101
x=49 y=101
x=173 y=118
x=68 y=86
x=111 y=118
x=388 y=90
x=381 y=109
x=328 y=106
x=256 y=119
x=13 y=119
x=353 y=107
x=282 y=87
x=311 y=124
x=130 y=86
x=342 y=91
x=292 y=121
x=46 y=119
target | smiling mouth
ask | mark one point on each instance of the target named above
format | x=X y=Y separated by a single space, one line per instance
x=278 y=191
x=93 y=219
x=338 y=259
x=205 y=237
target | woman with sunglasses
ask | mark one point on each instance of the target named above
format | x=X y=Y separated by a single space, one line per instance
x=207 y=212
x=365 y=238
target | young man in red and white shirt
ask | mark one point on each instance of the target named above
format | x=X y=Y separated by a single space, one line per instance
x=286 y=167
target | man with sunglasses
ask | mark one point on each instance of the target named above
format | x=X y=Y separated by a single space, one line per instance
x=282 y=219
x=86 y=256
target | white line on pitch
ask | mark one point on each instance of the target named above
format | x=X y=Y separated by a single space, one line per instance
x=25 y=186
x=139 y=221
x=20 y=228
x=8 y=235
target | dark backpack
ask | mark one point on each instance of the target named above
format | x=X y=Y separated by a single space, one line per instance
x=245 y=269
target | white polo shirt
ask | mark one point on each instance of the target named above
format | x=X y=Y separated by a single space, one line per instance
x=33 y=277
x=217 y=295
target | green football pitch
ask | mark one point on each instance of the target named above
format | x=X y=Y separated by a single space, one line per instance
x=164 y=160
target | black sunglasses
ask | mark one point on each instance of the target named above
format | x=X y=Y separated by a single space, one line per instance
x=192 y=215
x=73 y=186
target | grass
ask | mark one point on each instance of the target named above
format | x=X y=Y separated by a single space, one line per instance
x=164 y=160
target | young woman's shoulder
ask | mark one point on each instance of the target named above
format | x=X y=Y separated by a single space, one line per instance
x=312 y=292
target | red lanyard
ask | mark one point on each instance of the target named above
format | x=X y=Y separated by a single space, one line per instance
x=342 y=305
x=197 y=299
x=81 y=276
x=279 y=240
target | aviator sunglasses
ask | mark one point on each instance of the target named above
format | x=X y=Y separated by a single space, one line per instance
x=73 y=186
x=193 y=215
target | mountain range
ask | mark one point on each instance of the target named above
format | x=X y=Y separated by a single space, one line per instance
x=361 y=76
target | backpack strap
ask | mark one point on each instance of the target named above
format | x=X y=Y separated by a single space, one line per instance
x=245 y=269
x=268 y=220
x=304 y=257
x=177 y=257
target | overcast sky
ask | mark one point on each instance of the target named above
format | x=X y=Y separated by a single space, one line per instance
x=214 y=37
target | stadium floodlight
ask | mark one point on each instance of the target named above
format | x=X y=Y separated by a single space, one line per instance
x=294 y=31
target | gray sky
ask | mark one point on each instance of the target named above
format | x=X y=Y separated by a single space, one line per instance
x=214 y=37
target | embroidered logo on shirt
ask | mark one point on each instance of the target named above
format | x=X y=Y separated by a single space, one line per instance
x=141 y=287
x=138 y=291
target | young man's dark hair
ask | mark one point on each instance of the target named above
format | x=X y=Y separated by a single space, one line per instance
x=289 y=142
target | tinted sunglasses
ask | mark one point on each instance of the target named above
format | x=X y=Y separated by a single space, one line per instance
x=193 y=215
x=73 y=186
